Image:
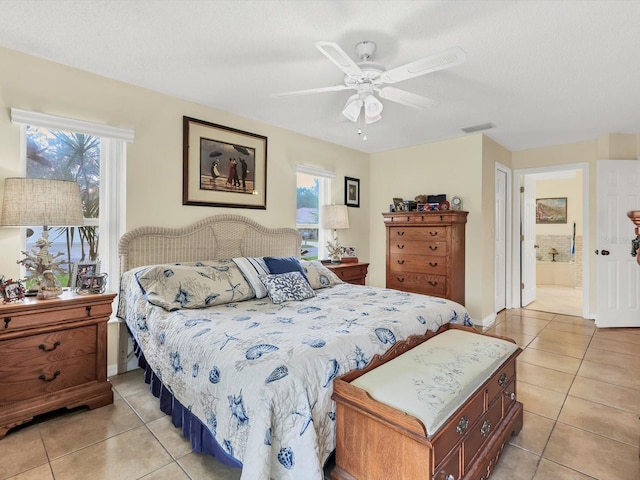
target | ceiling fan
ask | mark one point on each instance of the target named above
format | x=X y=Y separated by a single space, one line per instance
x=368 y=77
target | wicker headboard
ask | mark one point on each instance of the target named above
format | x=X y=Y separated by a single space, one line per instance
x=220 y=236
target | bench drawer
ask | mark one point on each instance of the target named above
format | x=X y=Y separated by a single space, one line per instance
x=500 y=380
x=481 y=432
x=450 y=468
x=458 y=427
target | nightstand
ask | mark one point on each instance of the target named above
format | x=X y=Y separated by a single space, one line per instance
x=350 y=272
x=53 y=354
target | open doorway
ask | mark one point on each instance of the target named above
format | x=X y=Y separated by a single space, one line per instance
x=555 y=258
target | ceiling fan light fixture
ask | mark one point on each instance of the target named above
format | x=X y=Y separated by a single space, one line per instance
x=373 y=119
x=352 y=108
x=372 y=107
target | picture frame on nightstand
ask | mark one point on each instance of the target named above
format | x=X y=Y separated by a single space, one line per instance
x=11 y=290
x=349 y=254
x=81 y=270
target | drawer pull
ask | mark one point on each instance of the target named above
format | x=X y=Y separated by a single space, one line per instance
x=400 y=246
x=450 y=477
x=486 y=427
x=401 y=262
x=6 y=322
x=502 y=380
x=44 y=378
x=88 y=309
x=400 y=233
x=433 y=264
x=400 y=279
x=43 y=347
x=432 y=283
x=433 y=234
x=433 y=247
x=511 y=395
x=462 y=424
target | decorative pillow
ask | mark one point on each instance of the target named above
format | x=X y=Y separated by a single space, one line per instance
x=252 y=268
x=287 y=286
x=283 y=265
x=318 y=275
x=177 y=286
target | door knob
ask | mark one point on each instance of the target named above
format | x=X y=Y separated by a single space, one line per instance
x=605 y=252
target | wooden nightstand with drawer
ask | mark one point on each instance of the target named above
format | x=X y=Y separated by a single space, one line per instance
x=53 y=354
x=355 y=273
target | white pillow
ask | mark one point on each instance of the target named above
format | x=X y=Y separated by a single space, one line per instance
x=252 y=268
x=176 y=286
x=318 y=275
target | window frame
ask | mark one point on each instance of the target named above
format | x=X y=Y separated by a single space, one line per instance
x=113 y=157
x=324 y=198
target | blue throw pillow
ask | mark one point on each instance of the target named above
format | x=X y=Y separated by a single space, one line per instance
x=284 y=265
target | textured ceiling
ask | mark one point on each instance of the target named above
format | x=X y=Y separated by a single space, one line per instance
x=543 y=72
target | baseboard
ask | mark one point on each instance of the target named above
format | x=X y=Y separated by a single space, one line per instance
x=112 y=370
x=486 y=321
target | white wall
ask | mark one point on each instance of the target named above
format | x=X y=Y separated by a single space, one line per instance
x=154 y=166
x=452 y=167
x=462 y=166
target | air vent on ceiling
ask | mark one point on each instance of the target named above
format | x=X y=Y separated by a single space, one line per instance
x=478 y=128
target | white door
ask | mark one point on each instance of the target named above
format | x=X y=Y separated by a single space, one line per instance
x=528 y=240
x=501 y=241
x=617 y=272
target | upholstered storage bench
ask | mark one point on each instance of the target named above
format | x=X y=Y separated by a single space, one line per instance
x=436 y=406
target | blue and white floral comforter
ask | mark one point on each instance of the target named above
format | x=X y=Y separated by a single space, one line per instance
x=259 y=375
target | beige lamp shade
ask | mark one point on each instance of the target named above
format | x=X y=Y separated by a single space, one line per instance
x=334 y=217
x=38 y=202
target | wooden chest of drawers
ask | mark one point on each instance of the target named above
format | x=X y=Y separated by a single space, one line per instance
x=53 y=354
x=426 y=253
x=375 y=441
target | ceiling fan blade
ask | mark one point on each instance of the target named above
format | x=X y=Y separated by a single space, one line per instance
x=433 y=63
x=405 y=98
x=334 y=88
x=334 y=53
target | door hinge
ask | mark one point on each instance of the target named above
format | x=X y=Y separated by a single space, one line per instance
x=522 y=238
x=521 y=189
x=522 y=286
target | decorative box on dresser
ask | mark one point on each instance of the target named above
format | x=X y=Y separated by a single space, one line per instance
x=425 y=252
x=355 y=273
x=53 y=354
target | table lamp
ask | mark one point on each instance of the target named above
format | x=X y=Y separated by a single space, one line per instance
x=334 y=217
x=41 y=202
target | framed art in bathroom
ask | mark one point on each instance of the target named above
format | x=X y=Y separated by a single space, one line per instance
x=551 y=210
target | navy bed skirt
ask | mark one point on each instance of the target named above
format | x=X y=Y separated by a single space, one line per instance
x=202 y=441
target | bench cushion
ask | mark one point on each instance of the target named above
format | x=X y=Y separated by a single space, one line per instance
x=432 y=380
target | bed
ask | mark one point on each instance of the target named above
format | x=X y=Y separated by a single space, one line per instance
x=249 y=380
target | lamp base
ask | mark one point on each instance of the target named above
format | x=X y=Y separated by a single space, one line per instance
x=336 y=262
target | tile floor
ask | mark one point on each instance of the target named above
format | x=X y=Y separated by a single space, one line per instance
x=580 y=387
x=557 y=299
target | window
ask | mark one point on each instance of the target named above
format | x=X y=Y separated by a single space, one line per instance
x=92 y=155
x=313 y=188
x=62 y=155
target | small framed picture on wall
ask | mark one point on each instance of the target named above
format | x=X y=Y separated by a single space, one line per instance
x=352 y=192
